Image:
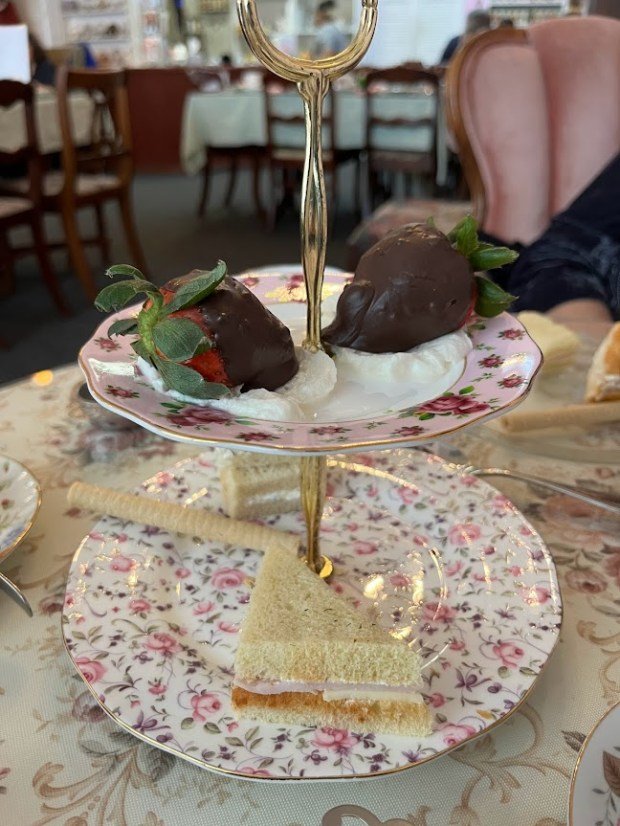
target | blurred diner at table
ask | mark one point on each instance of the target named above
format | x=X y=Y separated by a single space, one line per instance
x=43 y=69
x=329 y=38
x=477 y=21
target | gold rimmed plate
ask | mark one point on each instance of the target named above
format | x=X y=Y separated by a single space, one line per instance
x=445 y=561
x=20 y=499
x=496 y=375
x=595 y=785
x=593 y=443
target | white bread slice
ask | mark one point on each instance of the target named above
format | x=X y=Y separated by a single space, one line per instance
x=297 y=629
x=603 y=380
x=557 y=342
x=254 y=485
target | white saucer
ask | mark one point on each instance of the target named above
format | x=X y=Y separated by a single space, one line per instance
x=20 y=498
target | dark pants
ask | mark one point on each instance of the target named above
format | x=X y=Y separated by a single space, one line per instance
x=578 y=256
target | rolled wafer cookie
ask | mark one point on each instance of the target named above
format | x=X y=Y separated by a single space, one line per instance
x=180 y=519
x=580 y=415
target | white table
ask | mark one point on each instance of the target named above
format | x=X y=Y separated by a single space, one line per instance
x=13 y=126
x=235 y=117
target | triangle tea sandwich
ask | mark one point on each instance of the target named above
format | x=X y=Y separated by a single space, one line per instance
x=306 y=657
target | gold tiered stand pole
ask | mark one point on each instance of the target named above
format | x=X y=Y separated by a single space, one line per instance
x=312 y=78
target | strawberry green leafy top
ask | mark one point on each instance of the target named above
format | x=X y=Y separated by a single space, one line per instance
x=164 y=340
x=491 y=299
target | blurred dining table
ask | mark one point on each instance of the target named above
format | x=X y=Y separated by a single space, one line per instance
x=64 y=762
x=236 y=117
x=13 y=127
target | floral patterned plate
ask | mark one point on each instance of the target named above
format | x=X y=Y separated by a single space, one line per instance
x=447 y=563
x=20 y=498
x=498 y=372
x=595 y=787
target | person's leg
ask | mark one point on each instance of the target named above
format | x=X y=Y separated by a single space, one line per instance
x=577 y=258
x=598 y=206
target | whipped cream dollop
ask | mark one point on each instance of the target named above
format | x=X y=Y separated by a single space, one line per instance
x=313 y=382
x=352 y=385
x=420 y=365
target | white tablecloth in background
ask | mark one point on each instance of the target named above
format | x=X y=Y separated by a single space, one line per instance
x=236 y=117
x=13 y=126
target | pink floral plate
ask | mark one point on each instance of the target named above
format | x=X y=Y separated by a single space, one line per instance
x=595 y=786
x=498 y=373
x=446 y=562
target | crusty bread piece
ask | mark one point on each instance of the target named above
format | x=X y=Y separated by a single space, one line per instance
x=557 y=342
x=603 y=380
x=254 y=485
x=407 y=719
x=297 y=628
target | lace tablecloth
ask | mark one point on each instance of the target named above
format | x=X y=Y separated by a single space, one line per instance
x=62 y=761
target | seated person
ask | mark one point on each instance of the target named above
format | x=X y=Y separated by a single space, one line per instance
x=329 y=38
x=43 y=70
x=477 y=21
x=573 y=270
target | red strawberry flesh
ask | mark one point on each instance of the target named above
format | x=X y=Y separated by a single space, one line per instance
x=251 y=347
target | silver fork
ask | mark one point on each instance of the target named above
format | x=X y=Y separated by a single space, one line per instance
x=606 y=501
x=16 y=595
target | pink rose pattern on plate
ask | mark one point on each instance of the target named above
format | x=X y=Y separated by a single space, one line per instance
x=497 y=373
x=468 y=584
x=595 y=786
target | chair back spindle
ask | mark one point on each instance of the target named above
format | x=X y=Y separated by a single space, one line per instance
x=384 y=130
x=110 y=147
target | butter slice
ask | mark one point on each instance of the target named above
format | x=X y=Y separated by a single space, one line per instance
x=557 y=342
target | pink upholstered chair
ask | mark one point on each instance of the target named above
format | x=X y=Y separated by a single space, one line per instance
x=536 y=116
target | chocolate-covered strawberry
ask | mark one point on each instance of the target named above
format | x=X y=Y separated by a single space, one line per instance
x=204 y=332
x=415 y=285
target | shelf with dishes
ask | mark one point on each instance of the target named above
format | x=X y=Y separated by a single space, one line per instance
x=524 y=13
x=94 y=7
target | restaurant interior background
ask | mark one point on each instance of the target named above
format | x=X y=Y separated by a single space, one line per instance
x=116 y=693
x=181 y=110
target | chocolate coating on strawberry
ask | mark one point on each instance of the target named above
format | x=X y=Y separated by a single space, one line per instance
x=251 y=348
x=410 y=287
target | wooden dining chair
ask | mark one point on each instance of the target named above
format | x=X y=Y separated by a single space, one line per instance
x=24 y=209
x=93 y=175
x=228 y=158
x=285 y=156
x=385 y=162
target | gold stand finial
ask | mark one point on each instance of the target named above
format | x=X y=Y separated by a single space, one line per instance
x=313 y=78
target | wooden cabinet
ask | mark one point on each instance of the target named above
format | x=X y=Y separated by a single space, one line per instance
x=156 y=99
